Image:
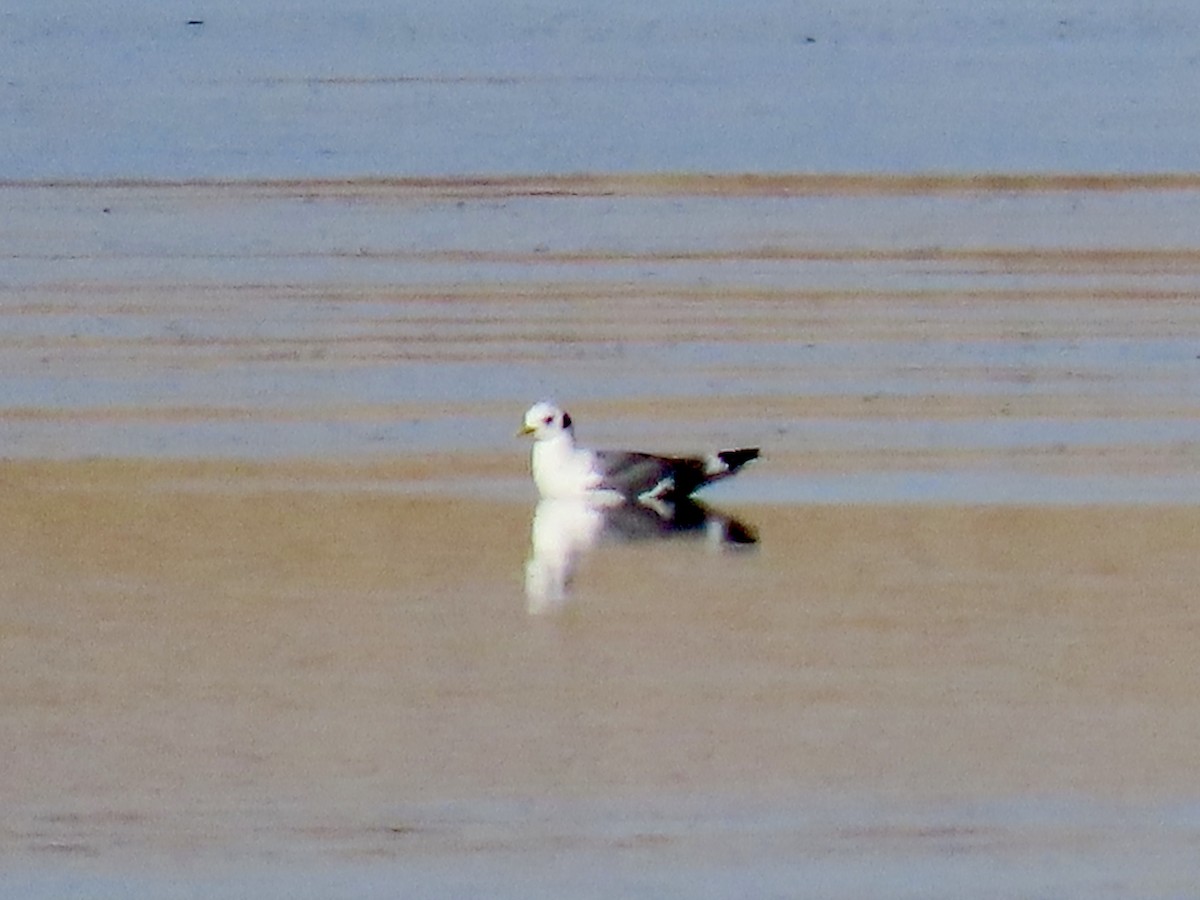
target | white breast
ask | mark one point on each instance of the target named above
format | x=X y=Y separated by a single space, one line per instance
x=560 y=470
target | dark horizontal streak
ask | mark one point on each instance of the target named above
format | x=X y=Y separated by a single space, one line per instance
x=660 y=184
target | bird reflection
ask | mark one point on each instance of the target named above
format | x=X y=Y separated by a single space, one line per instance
x=564 y=530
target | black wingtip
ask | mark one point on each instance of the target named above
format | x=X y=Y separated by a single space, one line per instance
x=735 y=459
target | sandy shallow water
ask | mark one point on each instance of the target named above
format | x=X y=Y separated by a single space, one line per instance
x=222 y=678
x=263 y=524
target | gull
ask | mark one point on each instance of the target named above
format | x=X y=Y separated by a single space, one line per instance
x=561 y=470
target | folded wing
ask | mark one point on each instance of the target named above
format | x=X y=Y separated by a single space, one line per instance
x=644 y=475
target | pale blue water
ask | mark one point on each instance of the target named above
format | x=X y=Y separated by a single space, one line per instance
x=307 y=88
x=684 y=848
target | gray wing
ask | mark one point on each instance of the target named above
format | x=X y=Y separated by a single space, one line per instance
x=666 y=477
x=634 y=474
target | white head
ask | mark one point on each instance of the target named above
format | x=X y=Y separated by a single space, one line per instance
x=545 y=421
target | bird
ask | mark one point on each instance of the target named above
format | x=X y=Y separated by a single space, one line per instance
x=562 y=470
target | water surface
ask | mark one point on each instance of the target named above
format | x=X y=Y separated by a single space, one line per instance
x=264 y=528
x=219 y=678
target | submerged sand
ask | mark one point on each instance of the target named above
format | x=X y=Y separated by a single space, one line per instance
x=201 y=666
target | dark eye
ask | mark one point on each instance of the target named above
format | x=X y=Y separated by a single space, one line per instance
x=548 y=419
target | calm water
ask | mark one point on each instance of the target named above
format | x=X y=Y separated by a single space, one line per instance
x=266 y=525
x=229 y=679
x=938 y=343
x=301 y=88
x=265 y=627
